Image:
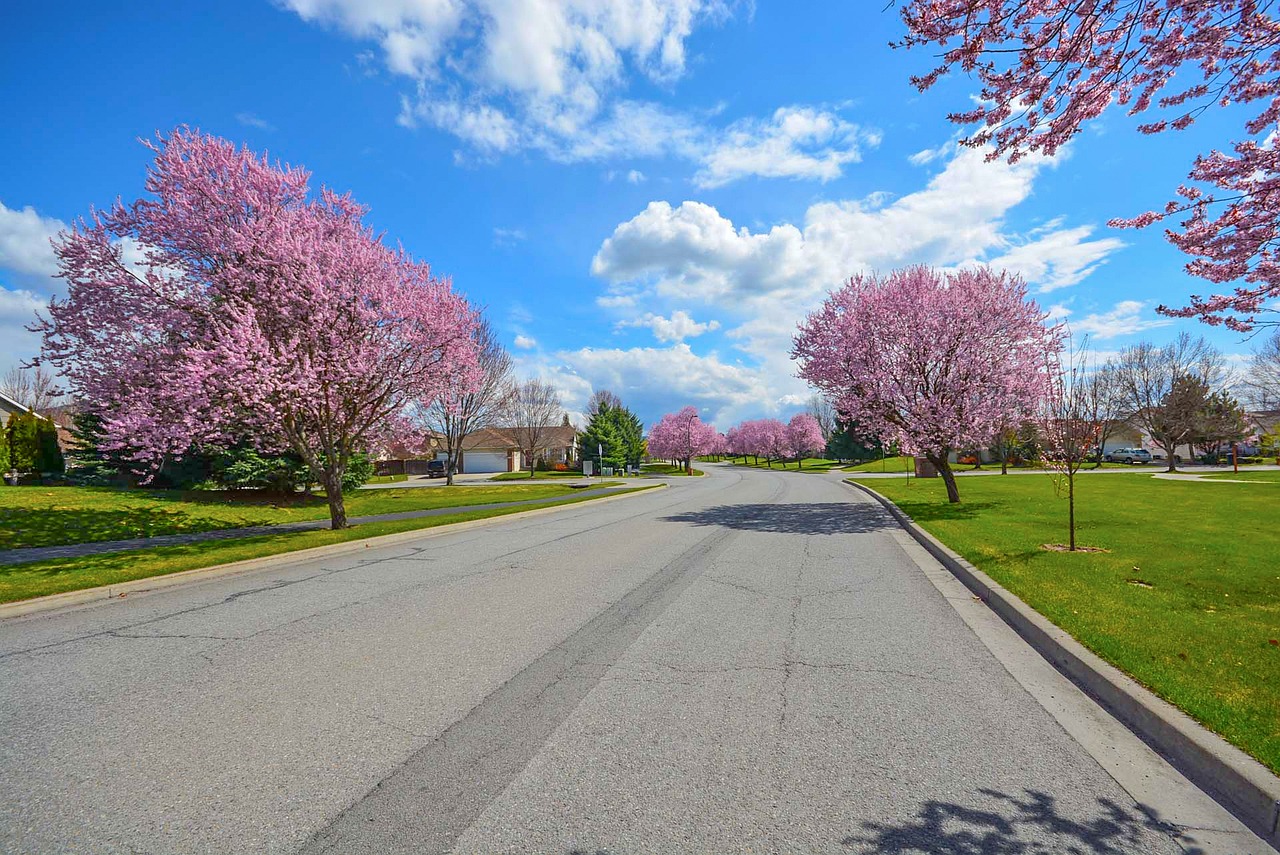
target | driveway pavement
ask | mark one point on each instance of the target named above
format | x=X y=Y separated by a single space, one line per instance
x=745 y=662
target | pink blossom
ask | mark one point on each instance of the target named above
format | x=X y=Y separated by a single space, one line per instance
x=259 y=313
x=935 y=361
x=1047 y=68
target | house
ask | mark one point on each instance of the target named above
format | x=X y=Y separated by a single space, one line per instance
x=9 y=408
x=497 y=449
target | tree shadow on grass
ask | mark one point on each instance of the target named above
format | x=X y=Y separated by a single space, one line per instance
x=802 y=518
x=55 y=527
x=1030 y=824
x=933 y=511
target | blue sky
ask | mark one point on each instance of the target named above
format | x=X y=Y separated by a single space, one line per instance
x=646 y=194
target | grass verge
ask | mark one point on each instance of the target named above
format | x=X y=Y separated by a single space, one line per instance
x=809 y=464
x=1184 y=600
x=40 y=578
x=53 y=516
x=1269 y=475
x=387 y=479
x=665 y=469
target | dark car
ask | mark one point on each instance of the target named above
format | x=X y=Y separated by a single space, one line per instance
x=435 y=469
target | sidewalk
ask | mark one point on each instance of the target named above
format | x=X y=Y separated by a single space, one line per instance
x=76 y=550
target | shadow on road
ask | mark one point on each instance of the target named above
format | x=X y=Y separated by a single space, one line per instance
x=1014 y=825
x=804 y=518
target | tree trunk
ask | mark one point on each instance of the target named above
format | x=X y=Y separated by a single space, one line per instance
x=337 y=504
x=448 y=468
x=943 y=465
x=1071 y=508
x=1169 y=453
x=1004 y=464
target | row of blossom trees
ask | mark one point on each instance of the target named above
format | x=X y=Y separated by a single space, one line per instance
x=682 y=436
x=773 y=440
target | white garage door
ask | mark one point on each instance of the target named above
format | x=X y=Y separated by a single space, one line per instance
x=484 y=461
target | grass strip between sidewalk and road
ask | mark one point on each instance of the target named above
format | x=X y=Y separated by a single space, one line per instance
x=665 y=469
x=55 y=576
x=1184 y=599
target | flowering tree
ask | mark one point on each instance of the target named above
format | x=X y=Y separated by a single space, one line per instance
x=1047 y=68
x=681 y=436
x=804 y=437
x=936 y=361
x=255 y=311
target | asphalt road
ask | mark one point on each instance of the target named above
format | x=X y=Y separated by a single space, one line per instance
x=745 y=662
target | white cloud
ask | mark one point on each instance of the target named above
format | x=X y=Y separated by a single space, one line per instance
x=252 y=121
x=672 y=258
x=678 y=327
x=552 y=76
x=554 y=62
x=693 y=252
x=508 y=237
x=1055 y=257
x=525 y=342
x=653 y=379
x=796 y=142
x=635 y=176
x=18 y=308
x=1125 y=318
x=24 y=241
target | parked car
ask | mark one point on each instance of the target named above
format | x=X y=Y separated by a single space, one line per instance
x=1158 y=456
x=1128 y=455
x=435 y=468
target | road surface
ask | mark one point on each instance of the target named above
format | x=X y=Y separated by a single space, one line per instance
x=745 y=662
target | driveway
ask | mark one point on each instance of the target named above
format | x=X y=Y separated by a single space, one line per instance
x=744 y=662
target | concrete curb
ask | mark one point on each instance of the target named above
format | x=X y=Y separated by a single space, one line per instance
x=1237 y=781
x=200 y=574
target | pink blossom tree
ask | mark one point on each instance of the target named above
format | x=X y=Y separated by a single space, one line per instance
x=804 y=437
x=1047 y=68
x=681 y=436
x=256 y=312
x=936 y=361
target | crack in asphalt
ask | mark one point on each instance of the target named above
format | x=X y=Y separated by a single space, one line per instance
x=463 y=769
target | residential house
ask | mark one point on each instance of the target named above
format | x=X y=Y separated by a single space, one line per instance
x=498 y=449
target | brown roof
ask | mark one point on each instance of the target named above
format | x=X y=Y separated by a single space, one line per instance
x=508 y=437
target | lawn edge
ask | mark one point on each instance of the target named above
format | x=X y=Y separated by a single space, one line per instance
x=119 y=590
x=1237 y=781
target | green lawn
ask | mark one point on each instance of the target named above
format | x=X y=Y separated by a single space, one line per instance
x=388 y=479
x=537 y=476
x=665 y=469
x=887 y=464
x=1186 y=600
x=1270 y=475
x=51 y=516
x=809 y=464
x=34 y=579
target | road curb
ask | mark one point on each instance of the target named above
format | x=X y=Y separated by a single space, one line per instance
x=199 y=574
x=1237 y=781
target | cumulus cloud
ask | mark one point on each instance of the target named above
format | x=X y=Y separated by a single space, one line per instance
x=24 y=241
x=526 y=342
x=795 y=142
x=554 y=63
x=672 y=258
x=509 y=75
x=678 y=327
x=692 y=250
x=18 y=308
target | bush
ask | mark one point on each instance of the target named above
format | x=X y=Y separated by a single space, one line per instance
x=4 y=450
x=542 y=465
x=24 y=441
x=359 y=471
x=48 y=452
x=562 y=467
